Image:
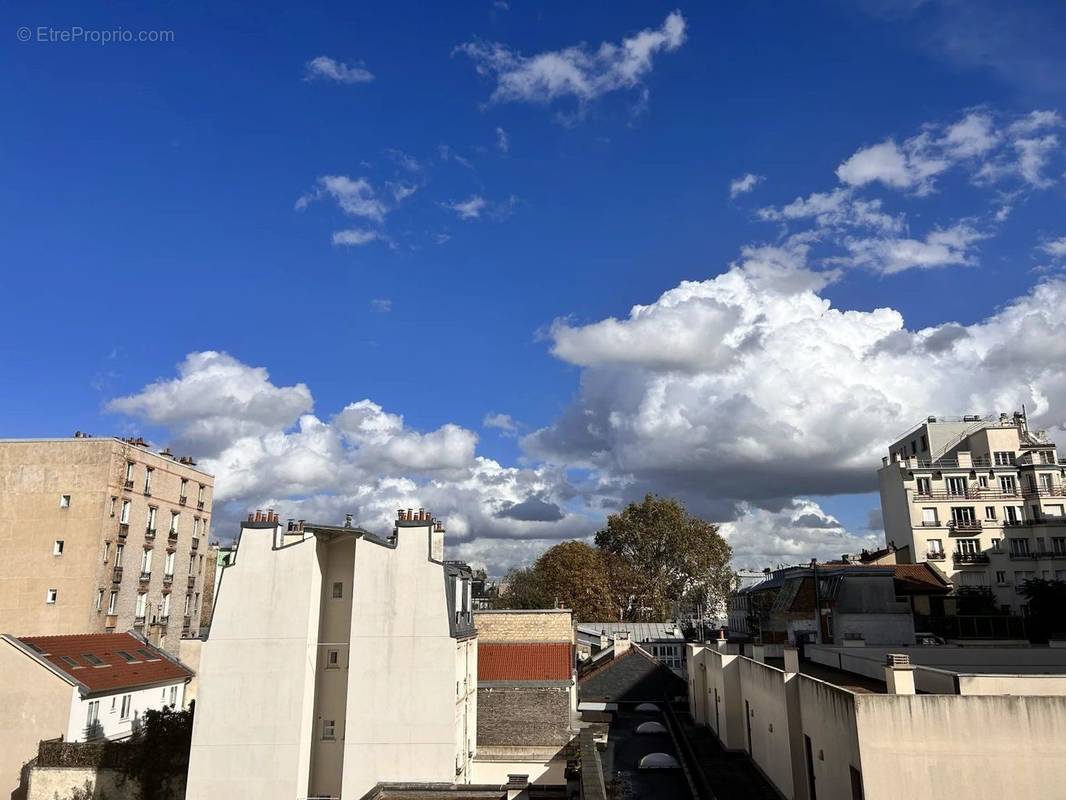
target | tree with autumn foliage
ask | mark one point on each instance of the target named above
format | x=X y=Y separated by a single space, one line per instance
x=673 y=557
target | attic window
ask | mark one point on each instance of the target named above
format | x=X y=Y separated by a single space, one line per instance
x=128 y=658
x=93 y=660
x=34 y=647
x=146 y=655
x=70 y=661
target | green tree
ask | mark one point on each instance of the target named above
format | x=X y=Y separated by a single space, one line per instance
x=675 y=557
x=521 y=588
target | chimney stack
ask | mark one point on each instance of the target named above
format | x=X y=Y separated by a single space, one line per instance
x=347 y=520
x=899 y=674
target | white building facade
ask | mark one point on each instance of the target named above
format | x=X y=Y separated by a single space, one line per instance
x=983 y=498
x=335 y=660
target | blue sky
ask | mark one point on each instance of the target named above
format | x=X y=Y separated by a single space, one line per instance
x=450 y=212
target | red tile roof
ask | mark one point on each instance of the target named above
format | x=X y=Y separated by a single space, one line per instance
x=524 y=662
x=115 y=672
x=921 y=577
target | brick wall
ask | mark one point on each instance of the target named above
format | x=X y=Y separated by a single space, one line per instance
x=524 y=626
x=523 y=716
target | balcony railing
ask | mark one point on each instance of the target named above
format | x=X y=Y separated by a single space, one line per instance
x=192 y=581
x=116 y=575
x=970 y=558
x=934 y=556
x=972 y=493
x=146 y=576
x=149 y=533
x=138 y=620
x=182 y=500
x=127 y=485
x=195 y=543
x=186 y=623
x=164 y=620
x=965 y=524
x=1021 y=555
x=1044 y=491
x=172 y=537
x=123 y=530
x=168 y=578
x=200 y=504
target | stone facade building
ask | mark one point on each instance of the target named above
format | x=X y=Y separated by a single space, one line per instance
x=984 y=498
x=101 y=535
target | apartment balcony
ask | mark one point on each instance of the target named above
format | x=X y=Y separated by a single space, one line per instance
x=192 y=581
x=932 y=524
x=1047 y=521
x=934 y=556
x=973 y=493
x=186 y=623
x=200 y=504
x=970 y=558
x=149 y=533
x=182 y=500
x=1055 y=491
x=164 y=620
x=1022 y=556
x=146 y=576
x=195 y=543
x=123 y=530
x=138 y=621
x=116 y=575
x=172 y=537
x=168 y=579
x=127 y=485
x=964 y=526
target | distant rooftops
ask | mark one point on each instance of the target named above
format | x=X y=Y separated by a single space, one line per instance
x=638 y=631
x=102 y=663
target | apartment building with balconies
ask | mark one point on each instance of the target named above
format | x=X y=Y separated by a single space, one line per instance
x=101 y=535
x=982 y=497
x=336 y=659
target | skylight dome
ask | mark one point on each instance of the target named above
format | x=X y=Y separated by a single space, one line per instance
x=659 y=761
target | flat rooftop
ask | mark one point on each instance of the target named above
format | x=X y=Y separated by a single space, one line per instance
x=963 y=660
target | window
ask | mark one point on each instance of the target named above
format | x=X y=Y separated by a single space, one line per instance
x=1021 y=576
x=112 y=601
x=1007 y=484
x=995 y=545
x=338 y=590
x=168 y=565
x=1001 y=577
x=990 y=513
x=200 y=565
x=129 y=659
x=175 y=519
x=184 y=488
x=70 y=662
x=1053 y=511
x=142 y=604
x=146 y=560
x=934 y=547
x=148 y=480
x=982 y=481
x=1045 y=481
x=173 y=695
x=925 y=443
x=111 y=507
x=963 y=516
x=966 y=546
x=914 y=447
x=93 y=716
x=119 y=550
x=124 y=517
x=1019 y=547
x=126 y=703
x=107 y=552
x=1058 y=545
x=200 y=494
x=93 y=660
x=57 y=548
x=957 y=486
x=329 y=729
x=333 y=659
x=165 y=605
x=929 y=518
x=64 y=501
x=99 y=599
x=188 y=604
x=151 y=518
x=195 y=526
x=924 y=486
x=1003 y=458
x=129 y=473
x=1011 y=515
x=51 y=596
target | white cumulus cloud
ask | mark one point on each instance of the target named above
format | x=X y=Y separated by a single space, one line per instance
x=324 y=67
x=744 y=184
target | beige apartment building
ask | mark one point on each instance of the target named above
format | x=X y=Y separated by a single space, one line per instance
x=336 y=659
x=101 y=535
x=983 y=498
